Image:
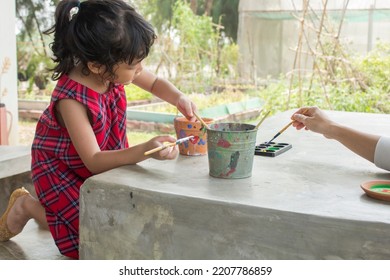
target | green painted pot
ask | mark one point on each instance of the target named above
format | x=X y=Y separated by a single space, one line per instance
x=231 y=149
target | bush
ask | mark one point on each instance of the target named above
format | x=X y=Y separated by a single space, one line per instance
x=371 y=94
x=135 y=93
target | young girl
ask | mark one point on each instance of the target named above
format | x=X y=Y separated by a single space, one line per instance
x=98 y=46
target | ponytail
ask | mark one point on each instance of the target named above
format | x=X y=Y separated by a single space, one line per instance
x=62 y=46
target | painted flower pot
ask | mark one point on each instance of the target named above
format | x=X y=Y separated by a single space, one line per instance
x=198 y=144
x=231 y=149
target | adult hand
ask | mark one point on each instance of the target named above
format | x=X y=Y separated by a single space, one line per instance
x=314 y=119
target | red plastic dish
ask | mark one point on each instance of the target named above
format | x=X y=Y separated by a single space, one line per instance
x=378 y=189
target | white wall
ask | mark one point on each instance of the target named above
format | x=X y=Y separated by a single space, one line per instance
x=8 y=49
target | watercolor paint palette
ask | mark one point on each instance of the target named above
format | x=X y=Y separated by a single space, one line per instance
x=272 y=149
x=378 y=189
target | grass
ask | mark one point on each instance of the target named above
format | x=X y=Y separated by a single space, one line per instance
x=27 y=131
x=140 y=137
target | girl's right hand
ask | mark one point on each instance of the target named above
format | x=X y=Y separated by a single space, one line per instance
x=186 y=107
x=167 y=153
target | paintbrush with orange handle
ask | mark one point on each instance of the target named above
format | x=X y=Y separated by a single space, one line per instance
x=283 y=129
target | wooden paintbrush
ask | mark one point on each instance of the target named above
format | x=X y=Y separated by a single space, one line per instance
x=179 y=141
x=283 y=129
x=201 y=120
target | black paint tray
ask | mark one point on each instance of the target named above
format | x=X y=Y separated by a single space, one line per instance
x=271 y=149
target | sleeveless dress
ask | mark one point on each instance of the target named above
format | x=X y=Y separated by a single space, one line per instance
x=57 y=170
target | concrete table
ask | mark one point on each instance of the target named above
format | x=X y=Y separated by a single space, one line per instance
x=304 y=204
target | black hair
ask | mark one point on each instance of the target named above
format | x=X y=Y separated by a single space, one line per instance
x=103 y=31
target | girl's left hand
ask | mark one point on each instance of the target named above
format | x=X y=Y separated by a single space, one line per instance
x=167 y=153
x=186 y=107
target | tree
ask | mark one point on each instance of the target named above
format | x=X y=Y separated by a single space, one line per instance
x=33 y=54
x=226 y=14
x=223 y=12
x=193 y=52
x=33 y=16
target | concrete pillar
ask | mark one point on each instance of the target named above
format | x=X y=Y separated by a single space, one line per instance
x=9 y=79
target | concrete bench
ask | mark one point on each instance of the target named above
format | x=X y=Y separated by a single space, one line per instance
x=15 y=171
x=14 y=160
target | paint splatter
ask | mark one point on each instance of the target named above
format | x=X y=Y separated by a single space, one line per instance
x=231 y=171
x=232 y=164
x=182 y=133
x=223 y=143
x=234 y=160
x=202 y=142
x=194 y=139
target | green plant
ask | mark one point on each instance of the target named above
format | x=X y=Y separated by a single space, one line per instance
x=33 y=52
x=136 y=137
x=198 y=43
x=159 y=13
x=343 y=94
x=193 y=52
x=136 y=93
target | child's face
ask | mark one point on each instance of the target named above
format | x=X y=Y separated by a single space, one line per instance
x=125 y=73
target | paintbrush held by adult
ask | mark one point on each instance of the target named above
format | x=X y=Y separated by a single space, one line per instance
x=164 y=146
x=201 y=120
x=283 y=129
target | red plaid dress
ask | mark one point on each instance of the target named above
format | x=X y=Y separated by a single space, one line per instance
x=57 y=170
